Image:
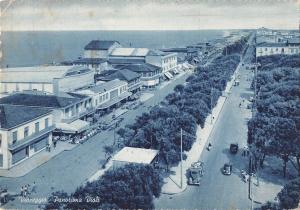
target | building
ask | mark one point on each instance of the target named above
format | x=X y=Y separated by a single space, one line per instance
x=108 y=94
x=24 y=131
x=265 y=49
x=70 y=110
x=96 y=55
x=128 y=55
x=166 y=61
x=96 y=64
x=100 y=49
x=49 y=79
x=133 y=79
x=135 y=155
x=150 y=74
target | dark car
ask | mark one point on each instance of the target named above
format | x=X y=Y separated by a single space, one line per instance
x=234 y=148
x=227 y=168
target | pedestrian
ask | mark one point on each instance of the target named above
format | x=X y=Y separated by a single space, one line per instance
x=22 y=191
x=25 y=191
x=33 y=189
x=54 y=144
x=48 y=147
x=240 y=105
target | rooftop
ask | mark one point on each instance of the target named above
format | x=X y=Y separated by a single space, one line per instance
x=12 y=116
x=122 y=51
x=113 y=60
x=123 y=74
x=40 y=74
x=142 y=67
x=107 y=86
x=49 y=101
x=135 y=155
x=157 y=53
x=266 y=44
x=100 y=44
x=90 y=61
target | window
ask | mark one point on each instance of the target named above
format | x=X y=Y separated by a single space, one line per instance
x=15 y=136
x=46 y=122
x=26 y=129
x=37 y=127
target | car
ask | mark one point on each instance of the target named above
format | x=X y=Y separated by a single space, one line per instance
x=227 y=169
x=234 y=147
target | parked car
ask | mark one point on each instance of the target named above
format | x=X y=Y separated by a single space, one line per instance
x=227 y=169
x=234 y=147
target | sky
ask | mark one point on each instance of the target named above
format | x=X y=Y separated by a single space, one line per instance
x=33 y=15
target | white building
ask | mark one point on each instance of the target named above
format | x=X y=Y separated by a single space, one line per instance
x=107 y=94
x=69 y=109
x=24 y=131
x=48 y=79
x=134 y=155
x=166 y=61
x=265 y=49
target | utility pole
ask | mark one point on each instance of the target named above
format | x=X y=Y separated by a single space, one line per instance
x=181 y=157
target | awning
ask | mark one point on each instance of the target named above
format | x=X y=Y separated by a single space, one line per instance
x=73 y=127
x=168 y=75
x=114 y=100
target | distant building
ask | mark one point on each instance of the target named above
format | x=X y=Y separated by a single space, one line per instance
x=96 y=64
x=150 y=74
x=96 y=54
x=108 y=94
x=166 y=61
x=128 y=55
x=100 y=49
x=24 y=131
x=48 y=79
x=135 y=155
x=69 y=109
x=265 y=49
x=132 y=78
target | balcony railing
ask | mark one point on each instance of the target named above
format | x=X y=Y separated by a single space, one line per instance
x=88 y=111
x=28 y=140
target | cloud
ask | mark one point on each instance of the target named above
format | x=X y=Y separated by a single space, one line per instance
x=149 y=15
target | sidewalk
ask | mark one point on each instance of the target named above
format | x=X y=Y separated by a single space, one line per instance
x=36 y=160
x=173 y=182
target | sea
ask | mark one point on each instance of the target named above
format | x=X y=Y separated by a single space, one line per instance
x=29 y=48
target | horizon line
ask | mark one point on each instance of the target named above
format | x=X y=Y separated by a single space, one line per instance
x=65 y=30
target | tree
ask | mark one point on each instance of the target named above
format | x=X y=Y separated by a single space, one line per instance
x=289 y=196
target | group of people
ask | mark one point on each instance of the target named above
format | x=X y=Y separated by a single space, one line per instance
x=25 y=190
x=48 y=146
x=245 y=152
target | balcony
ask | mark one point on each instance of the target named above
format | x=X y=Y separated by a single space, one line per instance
x=78 y=115
x=134 y=86
x=28 y=140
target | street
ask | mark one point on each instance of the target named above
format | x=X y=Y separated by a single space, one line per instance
x=216 y=190
x=70 y=169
